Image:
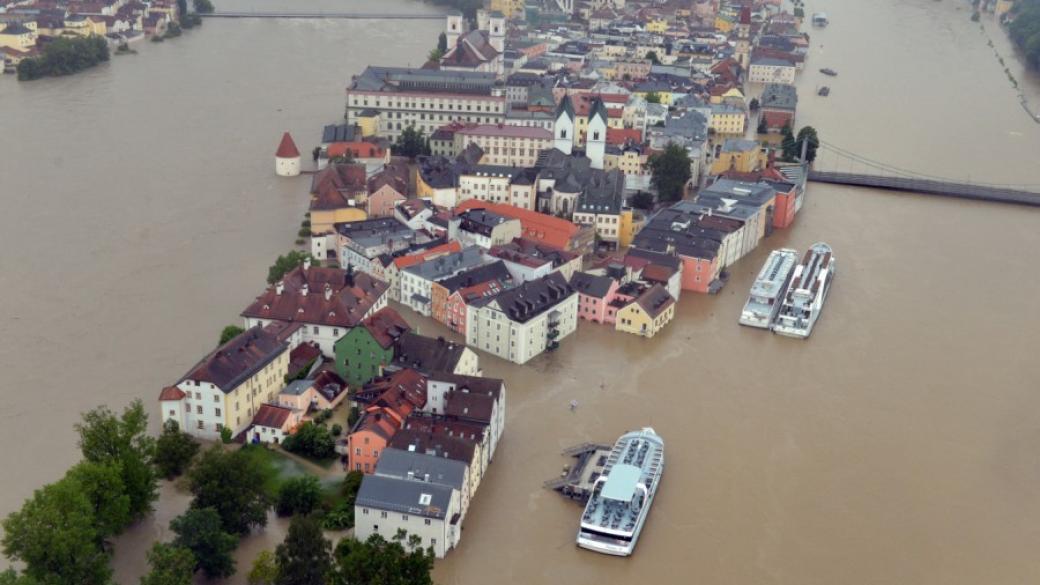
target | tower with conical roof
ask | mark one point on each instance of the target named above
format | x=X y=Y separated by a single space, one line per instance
x=563 y=127
x=287 y=158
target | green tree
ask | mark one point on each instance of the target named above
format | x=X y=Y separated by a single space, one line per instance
x=763 y=127
x=123 y=441
x=808 y=135
x=642 y=200
x=341 y=516
x=652 y=55
x=10 y=577
x=170 y=565
x=174 y=450
x=102 y=484
x=225 y=435
x=653 y=98
x=442 y=43
x=787 y=143
x=230 y=332
x=434 y=55
x=379 y=561
x=671 y=172
x=199 y=530
x=311 y=440
x=304 y=558
x=65 y=56
x=265 y=569
x=753 y=105
x=232 y=484
x=56 y=536
x=298 y=495
x=287 y=263
x=203 y=6
x=411 y=143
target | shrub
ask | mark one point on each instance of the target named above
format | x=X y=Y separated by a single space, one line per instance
x=336 y=430
x=299 y=495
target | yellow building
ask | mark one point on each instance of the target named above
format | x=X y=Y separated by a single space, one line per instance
x=631 y=223
x=743 y=156
x=723 y=24
x=508 y=8
x=18 y=36
x=732 y=96
x=648 y=314
x=727 y=119
x=227 y=388
x=631 y=161
x=658 y=25
x=368 y=123
x=84 y=26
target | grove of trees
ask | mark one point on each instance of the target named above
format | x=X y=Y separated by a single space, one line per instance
x=671 y=171
x=1025 y=29
x=64 y=56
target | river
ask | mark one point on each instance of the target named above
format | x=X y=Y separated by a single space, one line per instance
x=899 y=445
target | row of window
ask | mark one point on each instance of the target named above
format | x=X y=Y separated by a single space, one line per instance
x=404 y=518
x=466 y=106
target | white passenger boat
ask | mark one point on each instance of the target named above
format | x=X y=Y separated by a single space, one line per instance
x=767 y=293
x=621 y=496
x=808 y=290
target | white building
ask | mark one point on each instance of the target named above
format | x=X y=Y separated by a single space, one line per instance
x=505 y=144
x=417 y=281
x=431 y=511
x=770 y=70
x=521 y=323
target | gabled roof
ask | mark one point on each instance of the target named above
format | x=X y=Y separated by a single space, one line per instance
x=272 y=416
x=320 y=296
x=386 y=326
x=402 y=464
x=237 y=360
x=405 y=496
x=428 y=354
x=591 y=285
x=171 y=393
x=655 y=300
x=534 y=297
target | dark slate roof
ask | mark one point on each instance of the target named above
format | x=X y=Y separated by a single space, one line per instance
x=338 y=133
x=779 y=96
x=532 y=298
x=481 y=221
x=419 y=498
x=427 y=354
x=438 y=443
x=237 y=360
x=598 y=109
x=422 y=467
x=495 y=271
x=396 y=79
x=565 y=106
x=655 y=300
x=591 y=285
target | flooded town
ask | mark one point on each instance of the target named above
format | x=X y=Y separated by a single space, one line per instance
x=365 y=285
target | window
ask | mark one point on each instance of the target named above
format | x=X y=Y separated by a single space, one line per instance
x=433 y=542
x=220 y=427
x=216 y=398
x=404 y=517
x=357 y=451
x=200 y=426
x=173 y=413
x=382 y=514
x=364 y=511
x=217 y=411
x=315 y=329
x=426 y=521
x=198 y=410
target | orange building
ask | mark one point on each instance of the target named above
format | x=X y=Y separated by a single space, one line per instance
x=386 y=403
x=539 y=227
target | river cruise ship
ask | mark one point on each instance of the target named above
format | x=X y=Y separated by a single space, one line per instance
x=808 y=290
x=621 y=496
x=767 y=293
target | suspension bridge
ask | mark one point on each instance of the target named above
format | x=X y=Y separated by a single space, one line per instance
x=320 y=15
x=839 y=166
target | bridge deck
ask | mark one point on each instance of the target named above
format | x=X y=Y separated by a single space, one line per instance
x=321 y=15
x=930 y=187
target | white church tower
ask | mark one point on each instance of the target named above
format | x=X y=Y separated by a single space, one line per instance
x=497 y=31
x=563 y=127
x=596 y=139
x=455 y=29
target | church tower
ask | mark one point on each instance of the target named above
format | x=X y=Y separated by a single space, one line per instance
x=563 y=127
x=455 y=29
x=596 y=139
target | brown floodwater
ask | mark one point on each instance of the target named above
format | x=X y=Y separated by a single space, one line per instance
x=901 y=444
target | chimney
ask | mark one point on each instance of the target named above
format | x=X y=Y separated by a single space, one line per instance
x=306 y=262
x=426 y=477
x=328 y=292
x=305 y=289
x=279 y=287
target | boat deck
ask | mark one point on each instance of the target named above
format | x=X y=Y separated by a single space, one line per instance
x=576 y=481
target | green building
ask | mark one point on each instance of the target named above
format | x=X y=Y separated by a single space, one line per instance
x=365 y=349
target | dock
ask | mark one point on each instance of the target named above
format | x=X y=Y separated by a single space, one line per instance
x=576 y=480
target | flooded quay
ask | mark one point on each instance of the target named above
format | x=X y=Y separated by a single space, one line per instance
x=899 y=445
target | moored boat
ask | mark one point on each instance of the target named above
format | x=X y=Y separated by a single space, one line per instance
x=829 y=71
x=621 y=497
x=808 y=290
x=767 y=292
x=824 y=91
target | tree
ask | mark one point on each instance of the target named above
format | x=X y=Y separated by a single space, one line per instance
x=265 y=569
x=55 y=535
x=434 y=55
x=199 y=530
x=642 y=200
x=411 y=143
x=763 y=127
x=379 y=561
x=787 y=144
x=124 y=441
x=652 y=55
x=225 y=435
x=64 y=56
x=287 y=263
x=653 y=98
x=298 y=495
x=102 y=484
x=174 y=450
x=170 y=565
x=232 y=484
x=753 y=105
x=671 y=172
x=808 y=135
x=182 y=8
x=311 y=440
x=304 y=558
x=341 y=516
x=230 y=332
x=203 y=6
x=10 y=577
x=442 y=43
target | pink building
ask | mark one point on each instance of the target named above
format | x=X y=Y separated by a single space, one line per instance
x=595 y=294
x=325 y=391
x=456 y=307
x=386 y=189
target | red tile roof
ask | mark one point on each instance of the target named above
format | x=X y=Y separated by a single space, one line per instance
x=237 y=360
x=620 y=136
x=451 y=247
x=536 y=226
x=287 y=148
x=171 y=393
x=506 y=130
x=386 y=325
x=272 y=416
x=355 y=149
x=332 y=297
